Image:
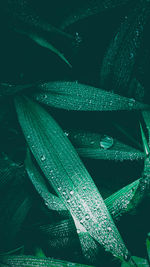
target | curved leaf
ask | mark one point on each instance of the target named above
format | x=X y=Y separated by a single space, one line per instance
x=67 y=175
x=76 y=96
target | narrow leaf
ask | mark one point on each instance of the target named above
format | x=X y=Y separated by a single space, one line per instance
x=22 y=261
x=88 y=8
x=145 y=144
x=76 y=96
x=146 y=116
x=51 y=201
x=68 y=176
x=120 y=58
x=98 y=146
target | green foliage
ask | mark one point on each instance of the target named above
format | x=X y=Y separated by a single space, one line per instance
x=75 y=133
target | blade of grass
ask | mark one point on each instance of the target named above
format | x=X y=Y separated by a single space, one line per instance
x=67 y=175
x=89 y=8
x=76 y=96
x=119 y=61
x=32 y=261
x=145 y=144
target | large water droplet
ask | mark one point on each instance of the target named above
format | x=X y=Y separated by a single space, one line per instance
x=106 y=142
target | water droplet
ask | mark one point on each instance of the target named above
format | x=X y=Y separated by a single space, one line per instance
x=28 y=136
x=132 y=102
x=131 y=55
x=43 y=157
x=45 y=96
x=106 y=142
x=84 y=187
x=87 y=217
x=66 y=133
x=109 y=229
x=71 y=192
x=59 y=188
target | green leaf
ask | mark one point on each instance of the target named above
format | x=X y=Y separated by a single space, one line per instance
x=40 y=40
x=137 y=262
x=88 y=8
x=76 y=96
x=22 y=261
x=98 y=146
x=148 y=246
x=146 y=116
x=119 y=61
x=51 y=201
x=67 y=175
x=145 y=144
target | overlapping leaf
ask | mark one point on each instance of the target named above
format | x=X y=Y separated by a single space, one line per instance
x=98 y=146
x=120 y=58
x=22 y=261
x=89 y=8
x=76 y=96
x=68 y=176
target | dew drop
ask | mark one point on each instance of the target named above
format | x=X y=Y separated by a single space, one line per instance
x=106 y=142
x=66 y=133
x=109 y=229
x=43 y=157
x=71 y=192
x=59 y=188
x=84 y=187
x=87 y=217
x=131 y=55
x=132 y=102
x=28 y=136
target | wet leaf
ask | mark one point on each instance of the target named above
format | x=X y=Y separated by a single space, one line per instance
x=119 y=61
x=67 y=175
x=89 y=8
x=76 y=96
x=98 y=146
x=32 y=261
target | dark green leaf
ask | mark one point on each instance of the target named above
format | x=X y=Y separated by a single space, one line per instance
x=98 y=146
x=120 y=58
x=76 y=96
x=88 y=8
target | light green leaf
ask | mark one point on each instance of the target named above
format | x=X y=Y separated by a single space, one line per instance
x=76 y=96
x=146 y=116
x=51 y=201
x=67 y=175
x=148 y=245
x=136 y=262
x=23 y=261
x=145 y=143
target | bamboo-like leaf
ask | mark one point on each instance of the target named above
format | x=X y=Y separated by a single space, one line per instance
x=51 y=201
x=148 y=246
x=68 y=176
x=40 y=40
x=88 y=8
x=22 y=261
x=136 y=262
x=145 y=143
x=146 y=116
x=119 y=61
x=10 y=89
x=98 y=146
x=76 y=96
